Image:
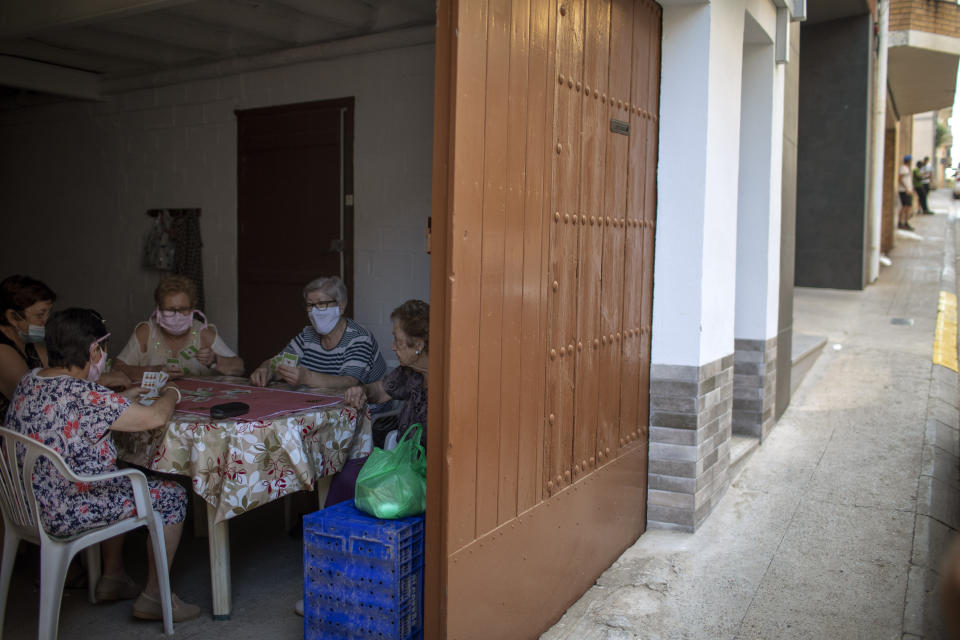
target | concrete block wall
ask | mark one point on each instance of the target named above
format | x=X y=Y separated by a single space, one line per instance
x=76 y=179
x=689 y=455
x=754 y=386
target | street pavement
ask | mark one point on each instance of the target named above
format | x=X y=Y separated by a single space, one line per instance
x=837 y=523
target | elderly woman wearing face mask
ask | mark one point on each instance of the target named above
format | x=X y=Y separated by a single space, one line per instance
x=64 y=407
x=173 y=340
x=335 y=352
x=25 y=304
x=408 y=382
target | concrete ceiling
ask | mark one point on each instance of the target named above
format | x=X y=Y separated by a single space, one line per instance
x=87 y=48
x=825 y=10
x=921 y=79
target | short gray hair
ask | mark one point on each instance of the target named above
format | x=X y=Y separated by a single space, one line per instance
x=330 y=285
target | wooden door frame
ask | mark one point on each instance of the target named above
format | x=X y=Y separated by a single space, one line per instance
x=435 y=534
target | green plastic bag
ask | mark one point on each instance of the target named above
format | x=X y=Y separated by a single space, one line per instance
x=393 y=484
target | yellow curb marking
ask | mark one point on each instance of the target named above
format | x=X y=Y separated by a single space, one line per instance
x=945 y=337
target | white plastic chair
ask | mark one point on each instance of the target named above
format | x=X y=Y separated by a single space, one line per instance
x=21 y=519
x=390 y=439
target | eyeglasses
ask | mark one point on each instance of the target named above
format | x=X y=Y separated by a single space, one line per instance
x=180 y=310
x=322 y=305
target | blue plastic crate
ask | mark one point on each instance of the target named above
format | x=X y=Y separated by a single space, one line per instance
x=362 y=576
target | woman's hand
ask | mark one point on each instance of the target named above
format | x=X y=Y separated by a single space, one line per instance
x=133 y=393
x=355 y=397
x=176 y=392
x=205 y=356
x=260 y=377
x=293 y=376
x=173 y=371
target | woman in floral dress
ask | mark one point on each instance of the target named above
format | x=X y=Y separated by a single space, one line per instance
x=64 y=407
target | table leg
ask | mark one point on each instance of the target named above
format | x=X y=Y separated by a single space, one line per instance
x=199 y=515
x=219 y=533
x=323 y=488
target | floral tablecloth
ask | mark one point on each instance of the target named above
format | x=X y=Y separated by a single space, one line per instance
x=237 y=466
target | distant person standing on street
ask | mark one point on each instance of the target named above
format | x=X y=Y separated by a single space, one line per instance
x=917 y=175
x=926 y=174
x=906 y=199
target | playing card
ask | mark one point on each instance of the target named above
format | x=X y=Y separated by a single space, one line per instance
x=275 y=362
x=151 y=379
x=289 y=359
x=188 y=352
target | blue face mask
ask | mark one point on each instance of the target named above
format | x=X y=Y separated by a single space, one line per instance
x=34 y=333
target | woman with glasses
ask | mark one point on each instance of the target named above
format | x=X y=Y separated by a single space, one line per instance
x=408 y=382
x=175 y=341
x=334 y=351
x=63 y=406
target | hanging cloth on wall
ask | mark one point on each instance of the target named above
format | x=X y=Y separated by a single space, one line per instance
x=158 y=250
x=188 y=259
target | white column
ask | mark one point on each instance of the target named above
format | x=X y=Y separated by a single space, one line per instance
x=695 y=264
x=875 y=218
x=758 y=219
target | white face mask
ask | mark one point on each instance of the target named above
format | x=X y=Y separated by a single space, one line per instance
x=324 y=321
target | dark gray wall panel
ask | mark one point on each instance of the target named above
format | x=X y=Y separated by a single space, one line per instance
x=832 y=153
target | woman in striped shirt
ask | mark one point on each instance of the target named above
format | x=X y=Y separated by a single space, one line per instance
x=335 y=352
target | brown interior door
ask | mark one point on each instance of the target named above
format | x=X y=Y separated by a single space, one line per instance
x=295 y=172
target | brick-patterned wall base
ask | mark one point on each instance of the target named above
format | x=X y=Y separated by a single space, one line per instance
x=754 y=386
x=690 y=419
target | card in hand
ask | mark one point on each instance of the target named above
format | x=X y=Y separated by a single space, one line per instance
x=289 y=359
x=152 y=381
x=275 y=362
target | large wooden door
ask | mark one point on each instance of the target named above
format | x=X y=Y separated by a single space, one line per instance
x=295 y=215
x=544 y=215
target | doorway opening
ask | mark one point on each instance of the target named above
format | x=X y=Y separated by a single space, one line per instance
x=294 y=215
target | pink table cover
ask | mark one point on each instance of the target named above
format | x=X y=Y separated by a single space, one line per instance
x=199 y=395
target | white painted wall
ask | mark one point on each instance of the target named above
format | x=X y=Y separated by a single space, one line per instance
x=695 y=270
x=758 y=221
x=924 y=130
x=76 y=179
x=723 y=157
x=681 y=191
